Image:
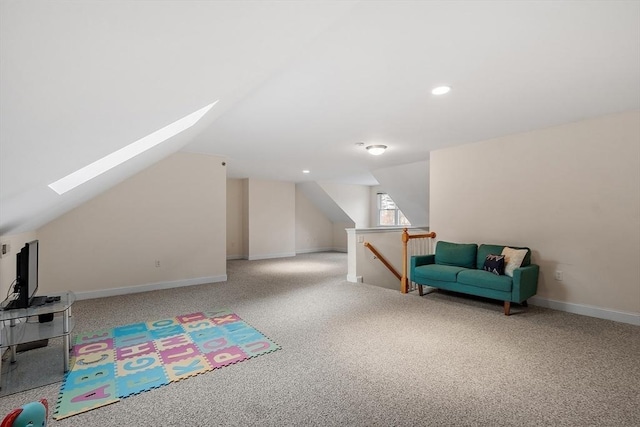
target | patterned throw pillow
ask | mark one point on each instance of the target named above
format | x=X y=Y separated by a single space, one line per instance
x=513 y=259
x=494 y=264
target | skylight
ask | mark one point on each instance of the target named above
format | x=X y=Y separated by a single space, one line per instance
x=120 y=156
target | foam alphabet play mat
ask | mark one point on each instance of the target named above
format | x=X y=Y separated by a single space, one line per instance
x=115 y=363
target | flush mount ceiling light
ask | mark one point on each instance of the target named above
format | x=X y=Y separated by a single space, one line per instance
x=120 y=156
x=306 y=171
x=441 y=90
x=376 y=150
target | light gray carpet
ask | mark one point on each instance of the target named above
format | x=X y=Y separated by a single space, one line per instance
x=33 y=368
x=360 y=355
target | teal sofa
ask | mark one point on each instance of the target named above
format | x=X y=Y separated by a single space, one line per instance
x=458 y=267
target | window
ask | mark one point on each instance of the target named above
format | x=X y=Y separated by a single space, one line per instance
x=388 y=212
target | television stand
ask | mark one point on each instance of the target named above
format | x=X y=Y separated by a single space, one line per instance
x=31 y=345
x=28 y=332
x=12 y=305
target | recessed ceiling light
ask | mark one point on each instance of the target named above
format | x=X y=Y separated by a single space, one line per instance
x=306 y=171
x=120 y=156
x=441 y=90
x=377 y=149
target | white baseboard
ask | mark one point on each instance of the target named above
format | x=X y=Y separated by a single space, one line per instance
x=149 y=287
x=317 y=250
x=587 y=310
x=312 y=251
x=298 y=252
x=354 y=279
x=271 y=256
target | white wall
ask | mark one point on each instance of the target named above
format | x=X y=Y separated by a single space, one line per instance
x=173 y=212
x=264 y=207
x=271 y=212
x=373 y=205
x=388 y=242
x=408 y=186
x=8 y=260
x=571 y=193
x=340 y=235
x=245 y=218
x=235 y=219
x=322 y=201
x=352 y=199
x=364 y=266
x=314 y=231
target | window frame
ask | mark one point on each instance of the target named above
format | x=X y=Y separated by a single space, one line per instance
x=397 y=213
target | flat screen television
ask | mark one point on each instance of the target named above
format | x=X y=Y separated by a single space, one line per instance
x=26 y=274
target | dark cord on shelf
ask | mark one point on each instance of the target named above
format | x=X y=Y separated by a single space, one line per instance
x=9 y=292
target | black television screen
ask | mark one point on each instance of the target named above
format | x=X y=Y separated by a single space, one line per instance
x=26 y=274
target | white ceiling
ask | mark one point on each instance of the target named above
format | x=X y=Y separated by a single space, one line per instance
x=299 y=83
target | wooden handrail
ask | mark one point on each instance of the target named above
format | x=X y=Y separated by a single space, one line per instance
x=382 y=259
x=404 y=281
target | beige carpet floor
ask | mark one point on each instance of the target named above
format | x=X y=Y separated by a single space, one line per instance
x=360 y=355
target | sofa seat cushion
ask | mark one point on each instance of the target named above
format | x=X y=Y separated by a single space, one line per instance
x=442 y=273
x=485 y=279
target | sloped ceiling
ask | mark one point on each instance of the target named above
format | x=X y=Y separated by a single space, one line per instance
x=408 y=186
x=323 y=201
x=299 y=83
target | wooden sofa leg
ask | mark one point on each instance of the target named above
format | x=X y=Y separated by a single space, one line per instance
x=507 y=307
x=525 y=303
x=420 y=290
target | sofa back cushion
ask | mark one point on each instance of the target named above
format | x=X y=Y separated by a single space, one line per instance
x=457 y=254
x=484 y=250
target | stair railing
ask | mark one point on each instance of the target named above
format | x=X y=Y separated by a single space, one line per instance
x=416 y=244
x=382 y=259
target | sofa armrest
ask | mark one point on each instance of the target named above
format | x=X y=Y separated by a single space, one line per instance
x=418 y=260
x=525 y=282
